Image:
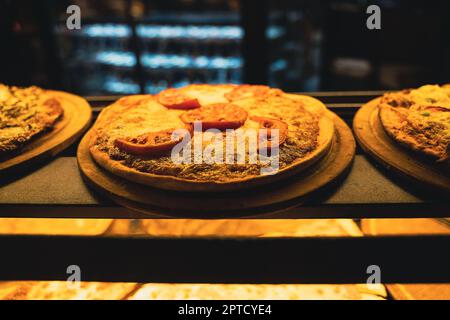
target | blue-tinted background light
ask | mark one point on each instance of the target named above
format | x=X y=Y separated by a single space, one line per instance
x=121 y=87
x=161 y=61
x=205 y=32
x=274 y=32
x=109 y=47
x=118 y=59
x=190 y=32
x=107 y=30
x=278 y=65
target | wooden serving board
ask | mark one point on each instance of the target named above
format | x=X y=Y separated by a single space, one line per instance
x=76 y=119
x=374 y=140
x=267 y=199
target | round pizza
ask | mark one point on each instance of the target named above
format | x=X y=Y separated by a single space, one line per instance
x=211 y=137
x=419 y=119
x=25 y=113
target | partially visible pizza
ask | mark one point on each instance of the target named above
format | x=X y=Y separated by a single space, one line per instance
x=419 y=119
x=24 y=114
x=136 y=137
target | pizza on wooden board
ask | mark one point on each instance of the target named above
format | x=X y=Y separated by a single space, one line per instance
x=25 y=113
x=419 y=119
x=134 y=137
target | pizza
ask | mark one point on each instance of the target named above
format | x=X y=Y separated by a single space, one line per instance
x=419 y=119
x=225 y=137
x=25 y=113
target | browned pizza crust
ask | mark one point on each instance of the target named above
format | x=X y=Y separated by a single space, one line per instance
x=394 y=122
x=419 y=120
x=310 y=136
x=24 y=114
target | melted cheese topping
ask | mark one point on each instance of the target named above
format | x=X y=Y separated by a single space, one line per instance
x=208 y=94
x=430 y=95
x=423 y=115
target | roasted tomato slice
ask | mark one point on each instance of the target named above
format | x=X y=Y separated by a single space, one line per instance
x=176 y=99
x=153 y=143
x=271 y=124
x=250 y=91
x=218 y=116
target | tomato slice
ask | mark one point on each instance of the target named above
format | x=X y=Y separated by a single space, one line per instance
x=271 y=124
x=153 y=143
x=176 y=99
x=217 y=116
x=250 y=91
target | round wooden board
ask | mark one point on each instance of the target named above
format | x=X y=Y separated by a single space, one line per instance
x=270 y=198
x=76 y=119
x=374 y=140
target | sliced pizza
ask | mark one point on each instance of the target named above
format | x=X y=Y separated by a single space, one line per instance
x=24 y=114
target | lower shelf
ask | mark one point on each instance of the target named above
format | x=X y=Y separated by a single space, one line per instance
x=329 y=260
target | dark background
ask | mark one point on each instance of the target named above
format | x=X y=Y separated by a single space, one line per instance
x=128 y=46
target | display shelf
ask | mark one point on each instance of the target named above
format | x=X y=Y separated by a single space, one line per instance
x=319 y=260
x=56 y=189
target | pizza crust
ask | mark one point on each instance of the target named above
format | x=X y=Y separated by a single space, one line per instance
x=396 y=122
x=25 y=113
x=168 y=182
x=391 y=120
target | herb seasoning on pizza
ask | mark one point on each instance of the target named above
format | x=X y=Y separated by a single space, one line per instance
x=419 y=119
x=24 y=114
x=136 y=137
